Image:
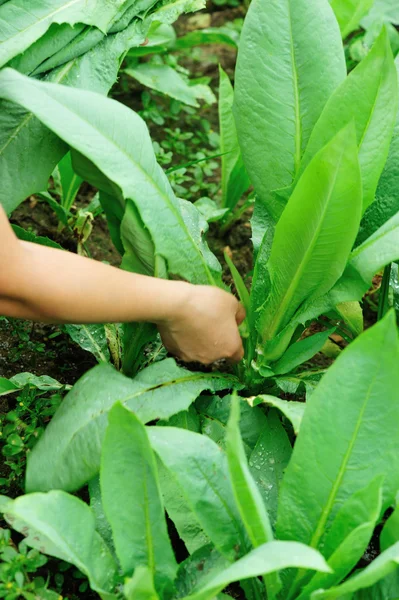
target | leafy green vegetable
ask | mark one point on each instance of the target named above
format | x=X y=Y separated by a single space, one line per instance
x=311 y=498
x=131 y=498
x=306 y=262
x=68 y=454
x=369 y=96
x=289 y=63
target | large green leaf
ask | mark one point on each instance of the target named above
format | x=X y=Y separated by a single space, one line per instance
x=385 y=563
x=270 y=557
x=68 y=454
x=235 y=180
x=314 y=236
x=290 y=61
x=269 y=460
x=349 y=536
x=22 y=135
x=349 y=13
x=248 y=498
x=301 y=351
x=352 y=414
x=386 y=203
x=369 y=96
x=132 y=501
x=63 y=526
x=20 y=26
x=199 y=467
x=96 y=127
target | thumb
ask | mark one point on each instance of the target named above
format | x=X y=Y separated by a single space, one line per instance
x=240 y=314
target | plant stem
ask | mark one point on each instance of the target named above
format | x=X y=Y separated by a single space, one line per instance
x=383 y=305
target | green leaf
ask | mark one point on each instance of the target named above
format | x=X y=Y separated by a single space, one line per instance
x=349 y=13
x=91 y=338
x=289 y=63
x=20 y=27
x=270 y=557
x=314 y=236
x=187 y=525
x=301 y=351
x=248 y=498
x=349 y=536
x=42 y=382
x=293 y=410
x=235 y=180
x=382 y=11
x=239 y=283
x=70 y=182
x=28 y=236
x=199 y=467
x=140 y=586
x=96 y=505
x=352 y=315
x=386 y=203
x=385 y=589
x=165 y=79
x=383 y=565
x=376 y=252
x=390 y=532
x=83 y=120
x=68 y=454
x=209 y=35
x=210 y=210
x=187 y=419
x=214 y=413
x=63 y=526
x=369 y=96
x=352 y=412
x=269 y=460
x=7 y=387
x=132 y=501
x=197 y=568
x=20 y=129
x=55 y=38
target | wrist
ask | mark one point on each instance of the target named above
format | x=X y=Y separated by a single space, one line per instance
x=175 y=298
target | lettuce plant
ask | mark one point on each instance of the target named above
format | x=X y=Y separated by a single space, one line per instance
x=241 y=510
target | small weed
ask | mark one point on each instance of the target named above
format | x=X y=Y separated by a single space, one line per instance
x=20 y=429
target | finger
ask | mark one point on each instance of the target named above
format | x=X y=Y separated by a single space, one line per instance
x=238 y=354
x=240 y=314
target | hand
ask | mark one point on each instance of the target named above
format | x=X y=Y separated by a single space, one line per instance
x=204 y=326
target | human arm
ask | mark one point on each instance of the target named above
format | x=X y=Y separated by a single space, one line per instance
x=45 y=284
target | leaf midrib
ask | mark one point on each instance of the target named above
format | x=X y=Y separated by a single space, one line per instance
x=298 y=125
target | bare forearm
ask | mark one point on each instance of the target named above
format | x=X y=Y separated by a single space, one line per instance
x=51 y=285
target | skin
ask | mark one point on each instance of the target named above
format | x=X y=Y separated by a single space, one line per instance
x=196 y=323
